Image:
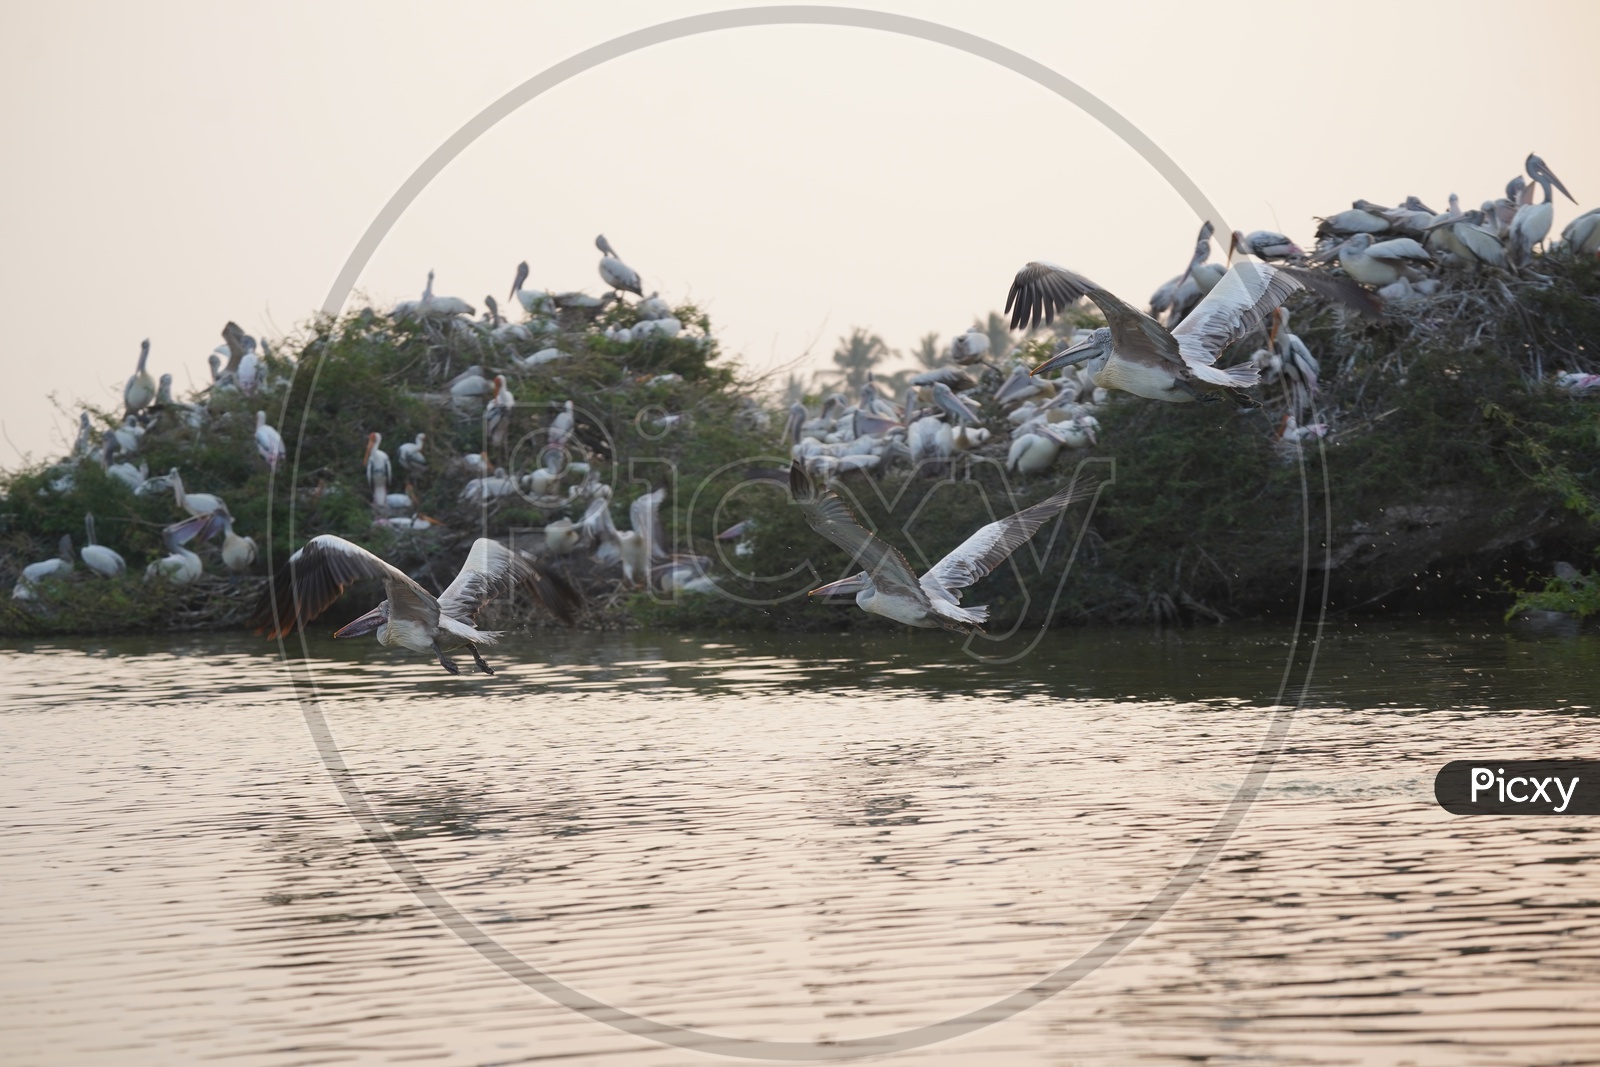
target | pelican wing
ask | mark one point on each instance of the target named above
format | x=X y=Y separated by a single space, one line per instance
x=1245 y=298
x=643 y=513
x=492 y=570
x=829 y=516
x=318 y=573
x=990 y=546
x=1042 y=289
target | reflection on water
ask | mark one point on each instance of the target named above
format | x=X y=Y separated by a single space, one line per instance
x=798 y=839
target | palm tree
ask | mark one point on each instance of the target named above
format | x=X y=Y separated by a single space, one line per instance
x=928 y=354
x=999 y=336
x=856 y=356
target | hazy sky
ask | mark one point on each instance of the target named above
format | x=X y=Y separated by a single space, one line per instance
x=171 y=166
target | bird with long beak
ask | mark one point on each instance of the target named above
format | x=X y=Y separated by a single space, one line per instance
x=614 y=272
x=1264 y=244
x=141 y=388
x=376 y=464
x=890 y=588
x=409 y=616
x=1531 y=224
x=1136 y=354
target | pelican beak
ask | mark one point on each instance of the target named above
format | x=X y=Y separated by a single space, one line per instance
x=1070 y=356
x=366 y=624
x=1233 y=244
x=843 y=587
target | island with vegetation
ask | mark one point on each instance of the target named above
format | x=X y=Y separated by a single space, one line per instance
x=1443 y=457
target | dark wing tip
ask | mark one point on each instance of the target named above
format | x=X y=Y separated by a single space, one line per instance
x=556 y=592
x=1341 y=290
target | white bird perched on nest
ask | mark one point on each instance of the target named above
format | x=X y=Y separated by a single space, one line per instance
x=412 y=459
x=613 y=271
x=98 y=557
x=269 y=443
x=141 y=388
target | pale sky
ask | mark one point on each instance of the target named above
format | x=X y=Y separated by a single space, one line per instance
x=170 y=166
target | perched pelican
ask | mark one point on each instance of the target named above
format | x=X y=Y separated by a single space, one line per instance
x=194 y=503
x=84 y=444
x=411 y=458
x=1531 y=224
x=180 y=566
x=491 y=487
x=430 y=306
x=889 y=587
x=409 y=615
x=497 y=413
x=1264 y=244
x=613 y=271
x=1383 y=262
x=59 y=566
x=1582 y=235
x=516 y=283
x=970 y=347
x=268 y=442
x=251 y=369
x=562 y=426
x=1288 y=357
x=653 y=307
x=98 y=557
x=953 y=406
x=1140 y=356
x=1361 y=218
x=376 y=463
x=141 y=388
x=238 y=553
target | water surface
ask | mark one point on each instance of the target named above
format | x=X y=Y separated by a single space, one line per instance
x=797 y=839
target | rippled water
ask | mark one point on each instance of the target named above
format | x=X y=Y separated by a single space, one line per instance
x=787 y=839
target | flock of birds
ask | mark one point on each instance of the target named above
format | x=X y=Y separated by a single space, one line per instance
x=1363 y=258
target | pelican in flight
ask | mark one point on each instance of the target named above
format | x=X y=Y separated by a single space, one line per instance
x=409 y=616
x=268 y=442
x=616 y=273
x=1136 y=354
x=141 y=388
x=889 y=587
x=98 y=557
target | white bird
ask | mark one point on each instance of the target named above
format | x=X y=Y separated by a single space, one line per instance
x=954 y=406
x=84 y=444
x=98 y=557
x=179 y=566
x=378 y=471
x=1531 y=224
x=409 y=616
x=432 y=307
x=1382 y=262
x=562 y=426
x=653 y=307
x=889 y=587
x=497 y=413
x=1136 y=354
x=269 y=443
x=970 y=347
x=412 y=458
x=251 y=370
x=238 y=553
x=141 y=388
x=616 y=273
x=194 y=503
x=59 y=566
x=129 y=435
x=1582 y=234
x=491 y=487
x=1264 y=244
